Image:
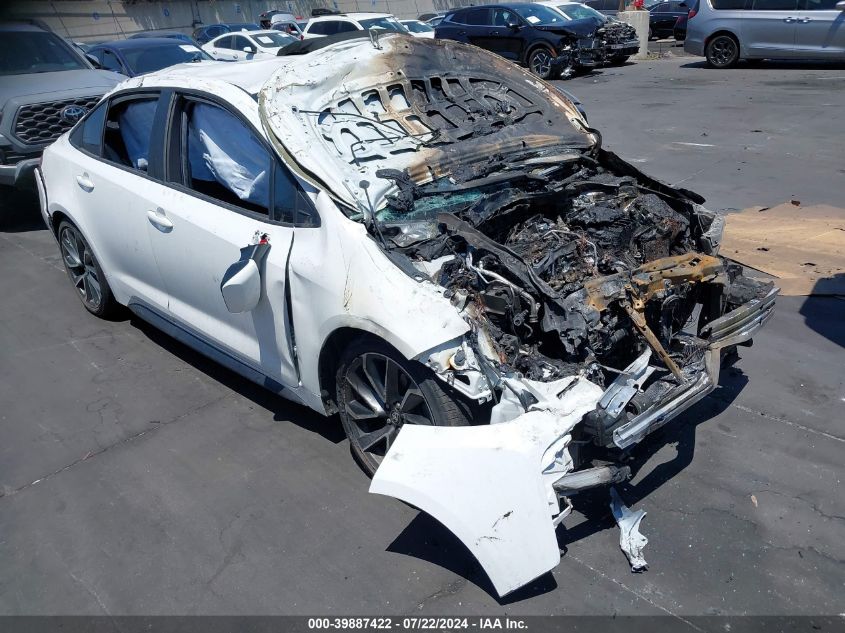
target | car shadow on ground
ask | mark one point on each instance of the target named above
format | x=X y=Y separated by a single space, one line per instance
x=19 y=211
x=283 y=410
x=681 y=433
x=772 y=64
x=425 y=538
x=825 y=315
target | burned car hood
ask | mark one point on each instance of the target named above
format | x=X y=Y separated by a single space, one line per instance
x=345 y=114
x=585 y=27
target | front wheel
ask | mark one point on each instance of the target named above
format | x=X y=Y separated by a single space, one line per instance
x=722 y=51
x=379 y=391
x=84 y=272
x=540 y=63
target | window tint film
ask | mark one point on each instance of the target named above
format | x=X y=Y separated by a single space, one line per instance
x=477 y=17
x=225 y=160
x=89 y=135
x=774 y=5
x=25 y=52
x=109 y=61
x=128 y=132
x=540 y=14
x=142 y=61
x=818 y=5
x=728 y=4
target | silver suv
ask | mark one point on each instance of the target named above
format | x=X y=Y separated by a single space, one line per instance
x=46 y=86
x=725 y=31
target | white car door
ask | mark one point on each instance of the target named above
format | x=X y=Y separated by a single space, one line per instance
x=110 y=169
x=221 y=48
x=243 y=48
x=219 y=199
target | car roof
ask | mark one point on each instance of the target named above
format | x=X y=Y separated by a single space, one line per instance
x=142 y=42
x=350 y=16
x=247 y=75
x=13 y=25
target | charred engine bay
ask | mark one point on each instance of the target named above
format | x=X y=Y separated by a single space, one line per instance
x=545 y=255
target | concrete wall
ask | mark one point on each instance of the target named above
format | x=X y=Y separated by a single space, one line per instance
x=100 y=20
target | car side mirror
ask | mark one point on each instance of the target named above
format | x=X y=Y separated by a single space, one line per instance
x=248 y=49
x=840 y=6
x=512 y=25
x=94 y=61
x=242 y=290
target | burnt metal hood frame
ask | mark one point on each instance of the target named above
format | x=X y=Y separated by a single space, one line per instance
x=343 y=113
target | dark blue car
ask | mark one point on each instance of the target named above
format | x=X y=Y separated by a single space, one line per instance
x=139 y=56
x=532 y=35
x=205 y=34
x=173 y=35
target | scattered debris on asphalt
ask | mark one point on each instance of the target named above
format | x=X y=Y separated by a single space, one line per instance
x=804 y=247
x=630 y=540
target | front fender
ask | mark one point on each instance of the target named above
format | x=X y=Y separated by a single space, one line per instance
x=492 y=485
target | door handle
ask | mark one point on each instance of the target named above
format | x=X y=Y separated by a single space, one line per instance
x=789 y=20
x=462 y=32
x=85 y=182
x=494 y=32
x=159 y=220
x=805 y=20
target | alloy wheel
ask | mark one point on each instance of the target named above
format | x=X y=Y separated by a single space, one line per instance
x=380 y=398
x=81 y=267
x=541 y=63
x=723 y=51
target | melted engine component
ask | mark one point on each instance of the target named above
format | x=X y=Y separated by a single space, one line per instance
x=570 y=269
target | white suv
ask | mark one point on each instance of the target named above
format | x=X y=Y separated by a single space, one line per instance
x=345 y=22
x=448 y=260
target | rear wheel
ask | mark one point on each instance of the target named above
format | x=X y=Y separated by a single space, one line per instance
x=540 y=62
x=84 y=272
x=379 y=391
x=722 y=51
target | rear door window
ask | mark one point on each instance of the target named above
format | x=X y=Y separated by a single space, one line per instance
x=239 y=43
x=224 y=42
x=324 y=28
x=129 y=130
x=774 y=5
x=88 y=136
x=728 y=5
x=818 y=5
x=109 y=60
x=477 y=17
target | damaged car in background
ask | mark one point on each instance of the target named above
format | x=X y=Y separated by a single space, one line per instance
x=543 y=39
x=426 y=239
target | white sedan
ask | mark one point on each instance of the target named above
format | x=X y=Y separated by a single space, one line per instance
x=425 y=239
x=418 y=29
x=245 y=45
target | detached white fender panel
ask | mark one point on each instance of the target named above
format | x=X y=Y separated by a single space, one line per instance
x=487 y=483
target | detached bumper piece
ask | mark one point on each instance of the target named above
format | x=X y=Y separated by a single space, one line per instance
x=628 y=411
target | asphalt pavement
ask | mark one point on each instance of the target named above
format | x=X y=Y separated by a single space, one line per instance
x=139 y=478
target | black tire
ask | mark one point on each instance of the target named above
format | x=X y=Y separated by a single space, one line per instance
x=539 y=62
x=722 y=51
x=618 y=60
x=84 y=272
x=418 y=397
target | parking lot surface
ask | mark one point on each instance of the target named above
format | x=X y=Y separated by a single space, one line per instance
x=139 y=478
